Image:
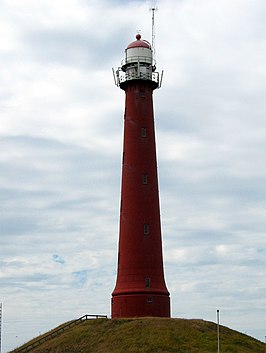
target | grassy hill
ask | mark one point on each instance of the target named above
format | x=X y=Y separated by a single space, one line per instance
x=149 y=335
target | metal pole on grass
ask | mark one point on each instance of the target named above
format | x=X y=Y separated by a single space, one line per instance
x=218 y=330
x=1 y=311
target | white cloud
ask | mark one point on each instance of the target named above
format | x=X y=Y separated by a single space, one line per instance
x=61 y=140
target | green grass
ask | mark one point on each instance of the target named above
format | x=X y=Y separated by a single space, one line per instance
x=149 y=335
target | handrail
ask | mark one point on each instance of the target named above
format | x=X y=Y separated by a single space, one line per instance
x=154 y=76
x=122 y=77
x=55 y=333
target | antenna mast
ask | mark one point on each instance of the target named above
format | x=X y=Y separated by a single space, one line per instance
x=153 y=8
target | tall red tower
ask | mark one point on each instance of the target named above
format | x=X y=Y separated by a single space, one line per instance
x=140 y=287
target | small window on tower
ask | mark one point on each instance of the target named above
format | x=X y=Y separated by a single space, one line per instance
x=144 y=179
x=146 y=229
x=142 y=94
x=149 y=300
x=147 y=282
x=143 y=132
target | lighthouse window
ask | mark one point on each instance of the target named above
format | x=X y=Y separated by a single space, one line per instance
x=146 y=229
x=144 y=179
x=149 y=300
x=147 y=282
x=143 y=132
x=142 y=94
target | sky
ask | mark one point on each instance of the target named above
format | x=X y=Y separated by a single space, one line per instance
x=61 y=136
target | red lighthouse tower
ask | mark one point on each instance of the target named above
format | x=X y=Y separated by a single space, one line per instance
x=140 y=287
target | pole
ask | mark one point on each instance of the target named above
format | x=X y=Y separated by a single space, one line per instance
x=153 y=9
x=218 y=330
x=1 y=310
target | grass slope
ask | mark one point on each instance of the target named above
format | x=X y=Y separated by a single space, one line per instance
x=149 y=335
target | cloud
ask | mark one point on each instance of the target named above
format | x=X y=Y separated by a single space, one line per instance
x=80 y=278
x=58 y=259
x=60 y=163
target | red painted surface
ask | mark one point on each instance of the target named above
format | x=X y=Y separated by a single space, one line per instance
x=140 y=258
x=139 y=43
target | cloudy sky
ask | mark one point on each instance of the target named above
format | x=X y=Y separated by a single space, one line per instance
x=61 y=134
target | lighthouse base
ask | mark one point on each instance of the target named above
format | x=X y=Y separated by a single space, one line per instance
x=140 y=305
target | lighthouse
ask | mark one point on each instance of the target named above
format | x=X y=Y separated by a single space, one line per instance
x=140 y=288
